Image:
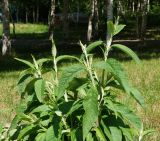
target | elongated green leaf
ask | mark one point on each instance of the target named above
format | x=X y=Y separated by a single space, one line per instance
x=25 y=131
x=50 y=134
x=129 y=116
x=128 y=51
x=23 y=82
x=76 y=105
x=100 y=134
x=67 y=57
x=26 y=62
x=110 y=105
x=39 y=87
x=93 y=45
x=106 y=131
x=41 y=108
x=118 y=28
x=73 y=135
x=89 y=137
x=1 y=128
x=137 y=96
x=25 y=117
x=127 y=133
x=116 y=133
x=90 y=116
x=110 y=28
x=117 y=71
x=76 y=83
x=43 y=60
x=67 y=76
x=40 y=137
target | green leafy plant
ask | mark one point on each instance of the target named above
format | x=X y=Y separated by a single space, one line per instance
x=78 y=104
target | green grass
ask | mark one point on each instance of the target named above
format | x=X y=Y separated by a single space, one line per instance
x=31 y=31
x=145 y=77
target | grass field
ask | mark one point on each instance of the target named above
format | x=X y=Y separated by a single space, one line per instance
x=146 y=77
x=28 y=31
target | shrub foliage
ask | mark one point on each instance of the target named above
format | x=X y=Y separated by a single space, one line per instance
x=79 y=103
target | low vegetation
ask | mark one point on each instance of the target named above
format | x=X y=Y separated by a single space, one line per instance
x=149 y=87
x=79 y=105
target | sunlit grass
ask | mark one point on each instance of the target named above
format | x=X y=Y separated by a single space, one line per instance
x=21 y=28
x=145 y=77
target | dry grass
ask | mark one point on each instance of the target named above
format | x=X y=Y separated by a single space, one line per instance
x=145 y=77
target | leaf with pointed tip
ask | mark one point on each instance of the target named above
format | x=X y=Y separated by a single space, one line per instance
x=41 y=108
x=89 y=137
x=66 y=57
x=100 y=134
x=43 y=60
x=128 y=51
x=129 y=115
x=67 y=76
x=116 y=133
x=137 y=96
x=41 y=137
x=39 y=87
x=106 y=131
x=26 y=62
x=93 y=45
x=90 y=104
x=127 y=133
x=73 y=135
x=118 y=28
x=114 y=67
x=50 y=134
x=25 y=131
x=110 y=28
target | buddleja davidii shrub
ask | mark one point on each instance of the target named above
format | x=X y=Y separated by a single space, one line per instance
x=76 y=107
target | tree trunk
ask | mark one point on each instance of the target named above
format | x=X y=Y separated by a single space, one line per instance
x=144 y=18
x=96 y=19
x=26 y=15
x=90 y=27
x=37 y=14
x=109 y=7
x=6 y=46
x=78 y=6
x=109 y=4
x=65 y=18
x=17 y=15
x=51 y=19
x=34 y=14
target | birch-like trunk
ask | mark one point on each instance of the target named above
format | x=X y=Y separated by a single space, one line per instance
x=109 y=10
x=90 y=22
x=6 y=46
x=96 y=19
x=144 y=18
x=51 y=19
x=109 y=7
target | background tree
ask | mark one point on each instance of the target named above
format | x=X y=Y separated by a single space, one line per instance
x=65 y=18
x=6 y=28
x=52 y=18
x=90 y=21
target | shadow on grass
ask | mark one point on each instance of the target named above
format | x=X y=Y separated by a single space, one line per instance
x=42 y=48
